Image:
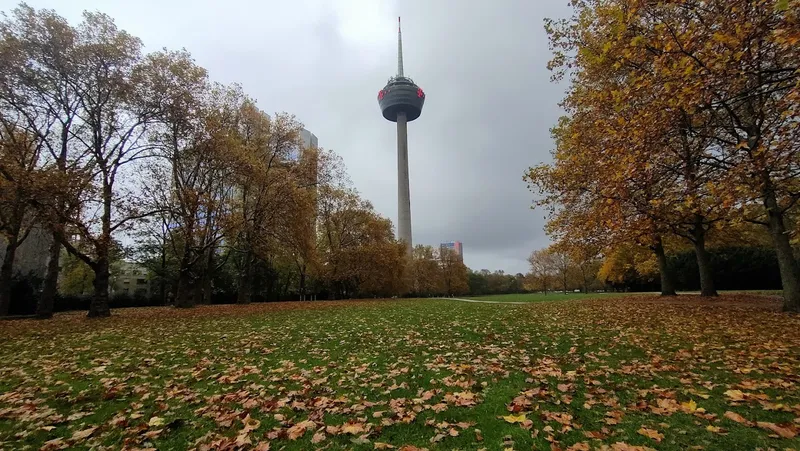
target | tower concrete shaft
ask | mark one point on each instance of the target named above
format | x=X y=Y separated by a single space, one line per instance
x=403 y=191
x=401 y=101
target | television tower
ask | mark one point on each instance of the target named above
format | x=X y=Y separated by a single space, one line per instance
x=401 y=101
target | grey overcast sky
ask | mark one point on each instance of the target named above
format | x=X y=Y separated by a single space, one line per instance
x=488 y=109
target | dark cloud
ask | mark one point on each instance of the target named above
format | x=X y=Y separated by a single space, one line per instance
x=488 y=110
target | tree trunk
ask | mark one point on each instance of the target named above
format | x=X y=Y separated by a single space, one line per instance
x=44 y=309
x=667 y=278
x=6 y=275
x=302 y=283
x=585 y=282
x=183 y=295
x=198 y=292
x=47 y=299
x=207 y=278
x=162 y=283
x=703 y=261
x=565 y=282
x=789 y=268
x=245 y=281
x=99 y=305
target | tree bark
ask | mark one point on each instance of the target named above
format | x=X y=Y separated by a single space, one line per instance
x=99 y=305
x=47 y=298
x=162 y=283
x=207 y=278
x=789 y=268
x=7 y=274
x=585 y=282
x=245 y=280
x=183 y=295
x=707 y=288
x=302 y=283
x=667 y=278
x=46 y=304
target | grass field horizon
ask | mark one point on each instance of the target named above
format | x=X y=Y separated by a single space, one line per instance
x=429 y=373
x=571 y=295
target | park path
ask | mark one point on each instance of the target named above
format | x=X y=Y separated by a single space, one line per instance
x=485 y=302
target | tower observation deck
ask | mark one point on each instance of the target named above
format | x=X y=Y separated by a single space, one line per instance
x=401 y=101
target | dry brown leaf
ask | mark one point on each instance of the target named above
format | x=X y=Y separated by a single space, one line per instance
x=651 y=433
x=353 y=428
x=782 y=431
x=733 y=416
x=84 y=434
x=318 y=437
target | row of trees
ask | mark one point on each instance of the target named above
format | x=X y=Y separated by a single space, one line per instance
x=485 y=282
x=683 y=121
x=103 y=145
x=437 y=272
x=555 y=268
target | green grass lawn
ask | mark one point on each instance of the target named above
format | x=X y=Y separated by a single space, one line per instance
x=433 y=374
x=541 y=297
x=560 y=296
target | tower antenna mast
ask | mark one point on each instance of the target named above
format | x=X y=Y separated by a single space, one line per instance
x=399 y=49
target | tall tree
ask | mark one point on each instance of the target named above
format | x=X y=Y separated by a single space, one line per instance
x=38 y=88
x=114 y=118
x=19 y=187
x=426 y=272
x=188 y=182
x=455 y=279
x=563 y=265
x=265 y=177
x=733 y=65
x=358 y=250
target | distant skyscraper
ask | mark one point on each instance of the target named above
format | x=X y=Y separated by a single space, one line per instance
x=309 y=139
x=454 y=246
x=401 y=101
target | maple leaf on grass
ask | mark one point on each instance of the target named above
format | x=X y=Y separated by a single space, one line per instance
x=353 y=428
x=318 y=437
x=437 y=438
x=363 y=440
x=84 y=434
x=250 y=424
x=622 y=446
x=514 y=418
x=299 y=429
x=691 y=407
x=783 y=432
x=735 y=395
x=733 y=416
x=155 y=422
x=651 y=433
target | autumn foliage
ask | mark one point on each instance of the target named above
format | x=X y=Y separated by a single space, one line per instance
x=682 y=122
x=117 y=154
